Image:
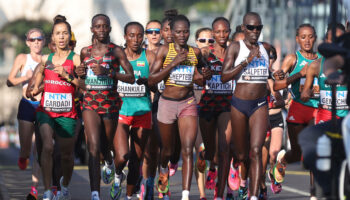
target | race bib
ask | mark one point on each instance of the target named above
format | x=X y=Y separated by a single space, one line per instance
x=315 y=87
x=131 y=90
x=256 y=71
x=326 y=99
x=101 y=82
x=58 y=102
x=182 y=75
x=161 y=86
x=214 y=85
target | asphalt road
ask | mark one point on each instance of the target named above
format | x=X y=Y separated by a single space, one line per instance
x=15 y=184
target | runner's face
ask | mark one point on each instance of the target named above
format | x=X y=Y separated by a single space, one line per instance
x=221 y=32
x=181 y=32
x=306 y=38
x=101 y=28
x=166 y=32
x=61 y=36
x=204 y=35
x=35 y=42
x=134 y=37
x=154 y=37
x=252 y=36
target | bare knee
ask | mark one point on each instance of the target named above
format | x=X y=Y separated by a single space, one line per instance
x=93 y=149
x=48 y=148
x=255 y=152
x=186 y=152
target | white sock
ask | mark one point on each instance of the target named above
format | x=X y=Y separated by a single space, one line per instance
x=185 y=194
x=218 y=198
x=128 y=197
x=117 y=178
x=94 y=193
x=164 y=170
x=253 y=198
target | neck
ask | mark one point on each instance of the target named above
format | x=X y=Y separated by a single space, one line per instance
x=308 y=54
x=179 y=47
x=153 y=46
x=62 y=52
x=220 y=48
x=250 y=44
x=131 y=54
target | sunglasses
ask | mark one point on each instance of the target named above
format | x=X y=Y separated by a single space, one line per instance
x=36 y=38
x=203 y=40
x=153 y=30
x=252 y=27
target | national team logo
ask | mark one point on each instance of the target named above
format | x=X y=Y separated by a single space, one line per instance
x=140 y=63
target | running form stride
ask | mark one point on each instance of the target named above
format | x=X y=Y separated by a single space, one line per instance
x=176 y=64
x=101 y=102
x=249 y=114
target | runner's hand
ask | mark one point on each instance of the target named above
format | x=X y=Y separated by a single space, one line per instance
x=59 y=69
x=254 y=52
x=98 y=69
x=303 y=70
x=206 y=73
x=142 y=81
x=180 y=57
x=80 y=70
x=279 y=74
x=34 y=92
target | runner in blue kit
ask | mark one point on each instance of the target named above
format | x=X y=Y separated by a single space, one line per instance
x=247 y=62
x=135 y=116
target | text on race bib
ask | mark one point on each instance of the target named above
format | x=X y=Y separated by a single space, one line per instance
x=326 y=99
x=257 y=70
x=182 y=75
x=131 y=90
x=215 y=85
x=58 y=102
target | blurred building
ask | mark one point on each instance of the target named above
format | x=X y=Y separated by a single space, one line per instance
x=79 y=14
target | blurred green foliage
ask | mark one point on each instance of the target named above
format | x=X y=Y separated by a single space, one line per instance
x=20 y=27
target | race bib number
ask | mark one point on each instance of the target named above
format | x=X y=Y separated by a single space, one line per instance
x=58 y=102
x=326 y=99
x=101 y=82
x=182 y=75
x=131 y=90
x=315 y=87
x=214 y=85
x=256 y=71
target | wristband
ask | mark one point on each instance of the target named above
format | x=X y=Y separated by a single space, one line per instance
x=70 y=78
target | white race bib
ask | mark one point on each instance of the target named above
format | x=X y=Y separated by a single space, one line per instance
x=326 y=99
x=214 y=85
x=182 y=75
x=131 y=90
x=58 y=102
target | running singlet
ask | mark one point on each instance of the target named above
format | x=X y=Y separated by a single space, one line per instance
x=58 y=96
x=298 y=85
x=216 y=95
x=326 y=95
x=101 y=94
x=136 y=98
x=30 y=65
x=181 y=75
x=256 y=71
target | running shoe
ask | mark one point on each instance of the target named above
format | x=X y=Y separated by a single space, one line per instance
x=23 y=163
x=95 y=197
x=54 y=190
x=116 y=189
x=107 y=173
x=33 y=195
x=233 y=177
x=64 y=193
x=137 y=188
x=263 y=194
x=173 y=168
x=275 y=187
x=203 y=198
x=242 y=193
x=280 y=167
x=147 y=189
x=48 y=195
x=163 y=182
x=229 y=196
x=210 y=182
x=165 y=196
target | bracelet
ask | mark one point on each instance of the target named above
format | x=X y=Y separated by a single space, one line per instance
x=70 y=78
x=246 y=60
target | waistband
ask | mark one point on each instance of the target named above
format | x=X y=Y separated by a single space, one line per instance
x=30 y=101
x=189 y=94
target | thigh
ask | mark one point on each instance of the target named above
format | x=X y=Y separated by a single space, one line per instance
x=26 y=128
x=110 y=125
x=167 y=134
x=276 y=138
x=66 y=145
x=239 y=131
x=121 y=140
x=258 y=126
x=92 y=126
x=139 y=138
x=188 y=127
x=224 y=129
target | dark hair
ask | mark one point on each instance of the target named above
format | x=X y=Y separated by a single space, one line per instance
x=32 y=30
x=237 y=31
x=273 y=53
x=305 y=26
x=220 y=19
x=155 y=21
x=199 y=31
x=169 y=15
x=61 y=19
x=179 y=18
x=131 y=24
x=251 y=14
x=101 y=15
x=337 y=26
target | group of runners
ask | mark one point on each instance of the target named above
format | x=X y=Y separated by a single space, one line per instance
x=146 y=104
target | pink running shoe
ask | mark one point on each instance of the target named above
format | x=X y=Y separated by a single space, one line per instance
x=210 y=182
x=275 y=187
x=173 y=169
x=233 y=177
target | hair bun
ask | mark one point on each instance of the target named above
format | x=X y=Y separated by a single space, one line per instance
x=59 y=19
x=170 y=13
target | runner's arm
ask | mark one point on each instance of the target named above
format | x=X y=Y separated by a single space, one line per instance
x=19 y=62
x=40 y=76
x=199 y=78
x=229 y=71
x=129 y=76
x=312 y=71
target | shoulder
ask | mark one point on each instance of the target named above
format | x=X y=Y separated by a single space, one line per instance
x=196 y=50
x=84 y=51
x=316 y=64
x=76 y=59
x=21 y=58
x=266 y=45
x=149 y=53
x=44 y=58
x=291 y=57
x=163 y=50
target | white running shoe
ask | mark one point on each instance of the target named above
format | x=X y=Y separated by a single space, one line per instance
x=95 y=197
x=107 y=173
x=64 y=194
x=48 y=195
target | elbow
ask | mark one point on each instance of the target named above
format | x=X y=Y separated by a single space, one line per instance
x=9 y=83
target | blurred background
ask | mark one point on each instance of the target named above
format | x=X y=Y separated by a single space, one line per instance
x=280 y=19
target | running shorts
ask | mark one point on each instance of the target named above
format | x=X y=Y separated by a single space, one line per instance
x=169 y=110
x=140 y=121
x=323 y=115
x=26 y=110
x=62 y=126
x=276 y=120
x=300 y=114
